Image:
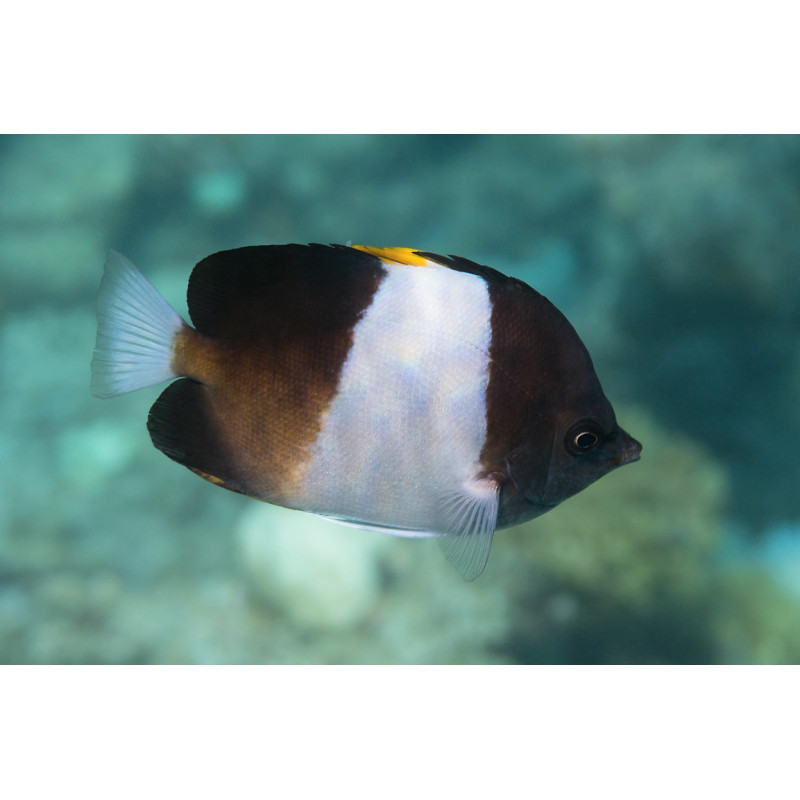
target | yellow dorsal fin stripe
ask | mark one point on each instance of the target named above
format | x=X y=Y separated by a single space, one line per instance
x=398 y=255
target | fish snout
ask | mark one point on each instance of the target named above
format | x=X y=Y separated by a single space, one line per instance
x=629 y=449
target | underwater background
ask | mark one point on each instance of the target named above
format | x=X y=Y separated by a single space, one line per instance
x=676 y=258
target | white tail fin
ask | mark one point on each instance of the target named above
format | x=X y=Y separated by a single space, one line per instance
x=136 y=329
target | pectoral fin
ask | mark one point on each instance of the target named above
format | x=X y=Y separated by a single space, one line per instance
x=472 y=517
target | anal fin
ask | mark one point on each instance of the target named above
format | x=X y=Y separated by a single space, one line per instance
x=183 y=425
x=405 y=533
x=471 y=513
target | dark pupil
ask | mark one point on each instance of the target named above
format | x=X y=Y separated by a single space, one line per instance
x=585 y=440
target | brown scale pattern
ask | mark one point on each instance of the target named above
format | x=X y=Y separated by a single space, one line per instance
x=274 y=326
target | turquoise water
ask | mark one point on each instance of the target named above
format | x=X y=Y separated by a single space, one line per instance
x=676 y=258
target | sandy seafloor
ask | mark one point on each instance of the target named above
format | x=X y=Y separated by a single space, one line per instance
x=676 y=258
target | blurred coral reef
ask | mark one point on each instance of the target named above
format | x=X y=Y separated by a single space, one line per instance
x=674 y=257
x=626 y=554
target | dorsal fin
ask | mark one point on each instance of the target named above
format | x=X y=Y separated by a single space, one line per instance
x=398 y=255
x=305 y=278
x=489 y=274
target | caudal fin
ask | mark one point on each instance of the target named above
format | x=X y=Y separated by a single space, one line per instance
x=136 y=329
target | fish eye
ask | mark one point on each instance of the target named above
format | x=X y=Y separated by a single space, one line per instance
x=583 y=437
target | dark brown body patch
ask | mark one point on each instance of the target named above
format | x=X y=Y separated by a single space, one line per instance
x=274 y=326
x=535 y=357
x=538 y=368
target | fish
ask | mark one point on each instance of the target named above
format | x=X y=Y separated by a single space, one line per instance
x=385 y=388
